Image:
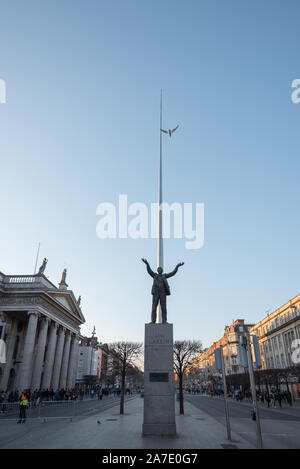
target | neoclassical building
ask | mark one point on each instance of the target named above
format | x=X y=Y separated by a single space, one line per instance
x=40 y=324
x=276 y=334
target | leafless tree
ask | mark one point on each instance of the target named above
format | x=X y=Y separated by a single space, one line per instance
x=127 y=353
x=184 y=352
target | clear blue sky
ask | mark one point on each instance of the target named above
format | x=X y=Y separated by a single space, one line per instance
x=81 y=126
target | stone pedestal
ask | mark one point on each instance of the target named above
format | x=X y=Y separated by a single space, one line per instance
x=159 y=390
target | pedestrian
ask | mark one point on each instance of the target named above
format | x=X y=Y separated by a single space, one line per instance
x=267 y=397
x=22 y=408
x=273 y=397
x=279 y=399
x=4 y=401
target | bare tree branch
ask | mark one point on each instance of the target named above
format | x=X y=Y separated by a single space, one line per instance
x=126 y=353
x=184 y=352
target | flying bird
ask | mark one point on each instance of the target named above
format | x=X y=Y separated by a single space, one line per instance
x=169 y=132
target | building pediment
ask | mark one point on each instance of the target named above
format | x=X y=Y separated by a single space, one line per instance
x=27 y=291
x=68 y=301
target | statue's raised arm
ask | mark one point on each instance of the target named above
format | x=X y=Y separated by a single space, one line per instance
x=160 y=289
x=149 y=270
x=171 y=274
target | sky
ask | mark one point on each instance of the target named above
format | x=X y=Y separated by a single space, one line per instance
x=81 y=125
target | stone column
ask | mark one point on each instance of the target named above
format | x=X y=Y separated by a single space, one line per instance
x=72 y=362
x=10 y=345
x=58 y=358
x=40 y=352
x=76 y=360
x=26 y=365
x=49 y=359
x=65 y=361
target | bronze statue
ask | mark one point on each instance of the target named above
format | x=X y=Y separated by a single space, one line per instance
x=43 y=267
x=160 y=289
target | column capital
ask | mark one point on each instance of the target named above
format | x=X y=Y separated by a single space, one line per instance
x=34 y=313
x=45 y=319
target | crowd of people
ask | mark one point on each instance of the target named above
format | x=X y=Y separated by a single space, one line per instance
x=28 y=398
x=274 y=398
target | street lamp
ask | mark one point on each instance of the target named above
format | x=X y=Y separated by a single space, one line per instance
x=245 y=343
x=92 y=349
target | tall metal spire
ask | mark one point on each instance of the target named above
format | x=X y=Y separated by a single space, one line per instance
x=160 y=251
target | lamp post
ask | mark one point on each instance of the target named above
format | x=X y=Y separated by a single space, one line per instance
x=92 y=349
x=247 y=344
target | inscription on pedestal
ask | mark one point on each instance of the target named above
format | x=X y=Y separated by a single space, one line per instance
x=159 y=339
x=159 y=377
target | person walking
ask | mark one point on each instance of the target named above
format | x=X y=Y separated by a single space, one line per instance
x=279 y=399
x=289 y=398
x=4 y=401
x=22 y=408
x=273 y=397
x=267 y=397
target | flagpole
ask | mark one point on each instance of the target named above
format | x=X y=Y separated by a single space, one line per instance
x=160 y=254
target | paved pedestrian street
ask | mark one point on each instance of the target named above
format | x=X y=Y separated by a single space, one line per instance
x=99 y=425
x=280 y=426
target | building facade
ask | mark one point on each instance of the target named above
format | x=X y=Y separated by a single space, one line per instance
x=40 y=324
x=279 y=335
x=277 y=332
x=229 y=342
x=231 y=339
x=87 y=363
x=204 y=364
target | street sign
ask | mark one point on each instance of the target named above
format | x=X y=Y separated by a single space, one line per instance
x=256 y=351
x=218 y=359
